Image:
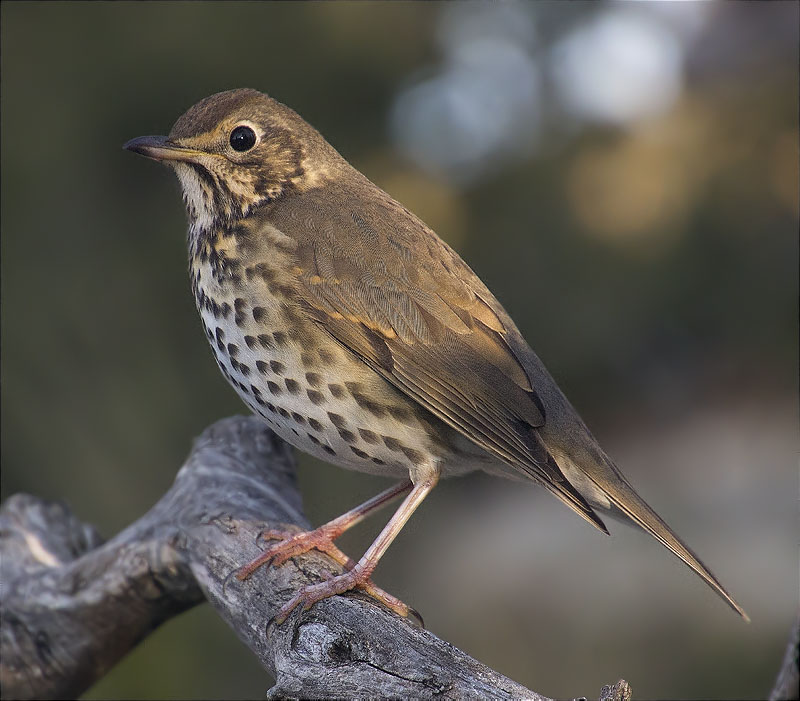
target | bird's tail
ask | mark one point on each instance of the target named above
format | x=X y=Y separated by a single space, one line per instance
x=624 y=498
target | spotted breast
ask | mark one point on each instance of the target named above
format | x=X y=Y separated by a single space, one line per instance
x=308 y=388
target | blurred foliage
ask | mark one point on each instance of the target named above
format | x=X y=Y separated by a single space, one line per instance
x=652 y=266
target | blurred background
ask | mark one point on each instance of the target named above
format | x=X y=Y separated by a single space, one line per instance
x=623 y=176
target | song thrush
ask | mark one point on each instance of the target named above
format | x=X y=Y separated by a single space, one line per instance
x=362 y=338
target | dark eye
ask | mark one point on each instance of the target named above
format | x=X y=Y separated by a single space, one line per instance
x=242 y=139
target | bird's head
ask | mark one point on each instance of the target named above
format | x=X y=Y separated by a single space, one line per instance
x=236 y=151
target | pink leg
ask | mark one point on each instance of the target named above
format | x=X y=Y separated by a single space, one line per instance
x=321 y=538
x=358 y=577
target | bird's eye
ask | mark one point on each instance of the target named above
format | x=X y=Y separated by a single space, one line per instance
x=242 y=139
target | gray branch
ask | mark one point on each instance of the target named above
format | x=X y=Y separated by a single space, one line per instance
x=788 y=681
x=72 y=606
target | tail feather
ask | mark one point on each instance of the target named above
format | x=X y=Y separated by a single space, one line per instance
x=623 y=496
x=578 y=504
x=566 y=492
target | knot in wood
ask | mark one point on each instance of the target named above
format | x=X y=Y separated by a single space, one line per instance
x=316 y=642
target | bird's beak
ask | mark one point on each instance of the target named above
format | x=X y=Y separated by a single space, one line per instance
x=160 y=148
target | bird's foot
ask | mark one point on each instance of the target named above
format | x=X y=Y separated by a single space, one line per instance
x=356 y=578
x=297 y=543
x=294 y=543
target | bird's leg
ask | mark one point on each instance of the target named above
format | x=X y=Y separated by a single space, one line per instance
x=358 y=576
x=321 y=538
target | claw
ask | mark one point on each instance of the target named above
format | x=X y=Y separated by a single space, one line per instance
x=291 y=545
x=354 y=579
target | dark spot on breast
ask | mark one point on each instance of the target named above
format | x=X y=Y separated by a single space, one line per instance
x=368 y=405
x=329 y=450
x=313 y=438
x=298 y=417
x=313 y=379
x=296 y=333
x=307 y=359
x=360 y=453
x=316 y=425
x=209 y=334
x=347 y=436
x=259 y=314
x=233 y=350
x=414 y=456
x=336 y=390
x=220 y=338
x=244 y=369
x=271 y=407
x=265 y=340
x=280 y=338
x=274 y=387
x=257 y=270
x=251 y=342
x=239 y=319
x=255 y=390
x=402 y=414
x=285 y=414
x=325 y=355
x=392 y=443
x=225 y=310
x=378 y=461
x=292 y=385
x=277 y=367
x=314 y=396
x=263 y=368
x=337 y=420
x=368 y=436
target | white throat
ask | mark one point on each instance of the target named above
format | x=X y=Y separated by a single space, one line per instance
x=198 y=197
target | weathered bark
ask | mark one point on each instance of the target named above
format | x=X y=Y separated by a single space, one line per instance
x=72 y=606
x=787 y=685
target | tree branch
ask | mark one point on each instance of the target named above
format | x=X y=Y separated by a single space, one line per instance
x=788 y=678
x=72 y=606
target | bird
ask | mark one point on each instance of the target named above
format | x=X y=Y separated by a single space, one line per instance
x=360 y=337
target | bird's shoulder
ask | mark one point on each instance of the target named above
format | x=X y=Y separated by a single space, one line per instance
x=361 y=251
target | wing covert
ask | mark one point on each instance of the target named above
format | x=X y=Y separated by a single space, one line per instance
x=389 y=290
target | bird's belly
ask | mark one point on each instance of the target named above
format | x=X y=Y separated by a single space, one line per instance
x=319 y=397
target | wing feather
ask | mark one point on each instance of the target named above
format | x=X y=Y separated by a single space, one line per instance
x=385 y=287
